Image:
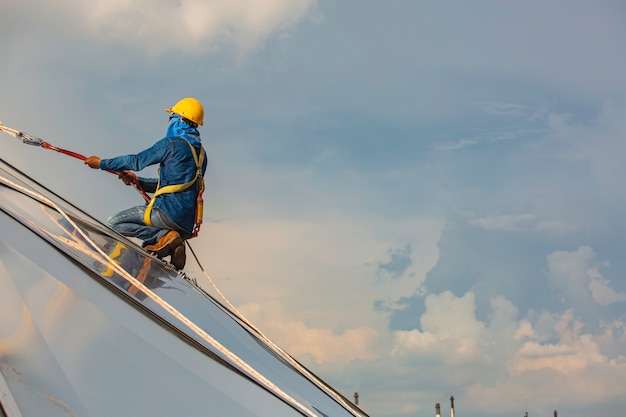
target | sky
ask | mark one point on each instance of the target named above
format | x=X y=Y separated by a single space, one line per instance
x=416 y=199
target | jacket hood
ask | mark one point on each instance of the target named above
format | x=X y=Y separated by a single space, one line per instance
x=178 y=127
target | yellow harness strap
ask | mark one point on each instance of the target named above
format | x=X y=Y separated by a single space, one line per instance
x=174 y=188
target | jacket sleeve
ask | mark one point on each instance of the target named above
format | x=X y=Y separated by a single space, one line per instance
x=153 y=155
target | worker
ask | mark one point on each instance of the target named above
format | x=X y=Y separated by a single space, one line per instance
x=170 y=217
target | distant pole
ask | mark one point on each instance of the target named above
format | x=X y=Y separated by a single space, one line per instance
x=526 y=414
x=437 y=410
x=555 y=413
x=356 y=398
x=452 y=407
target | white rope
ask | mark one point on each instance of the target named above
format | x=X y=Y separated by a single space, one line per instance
x=240 y=363
x=26 y=138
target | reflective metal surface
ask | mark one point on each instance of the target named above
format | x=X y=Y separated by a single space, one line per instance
x=91 y=325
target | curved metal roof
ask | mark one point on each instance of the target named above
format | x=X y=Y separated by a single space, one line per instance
x=92 y=325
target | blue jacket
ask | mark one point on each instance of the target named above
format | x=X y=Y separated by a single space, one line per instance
x=176 y=166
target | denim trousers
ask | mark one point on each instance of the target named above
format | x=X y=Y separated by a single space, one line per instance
x=130 y=223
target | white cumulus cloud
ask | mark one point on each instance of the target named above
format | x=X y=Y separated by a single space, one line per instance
x=194 y=26
x=577 y=276
x=450 y=330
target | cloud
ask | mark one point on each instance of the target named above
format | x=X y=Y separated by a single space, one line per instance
x=398 y=264
x=577 y=276
x=596 y=145
x=567 y=272
x=500 y=363
x=502 y=109
x=571 y=352
x=195 y=25
x=509 y=223
x=523 y=222
x=450 y=331
x=600 y=288
x=488 y=136
x=156 y=26
x=453 y=146
x=316 y=344
x=563 y=358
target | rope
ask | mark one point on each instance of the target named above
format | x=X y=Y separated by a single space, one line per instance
x=35 y=141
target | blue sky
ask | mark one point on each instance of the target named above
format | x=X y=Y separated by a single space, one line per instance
x=418 y=199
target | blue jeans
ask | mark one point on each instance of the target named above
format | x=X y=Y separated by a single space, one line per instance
x=130 y=223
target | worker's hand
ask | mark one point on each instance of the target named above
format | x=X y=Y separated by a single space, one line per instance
x=128 y=177
x=93 y=162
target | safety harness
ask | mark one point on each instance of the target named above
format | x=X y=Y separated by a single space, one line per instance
x=175 y=188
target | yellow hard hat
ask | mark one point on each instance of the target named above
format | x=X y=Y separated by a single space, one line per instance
x=189 y=108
